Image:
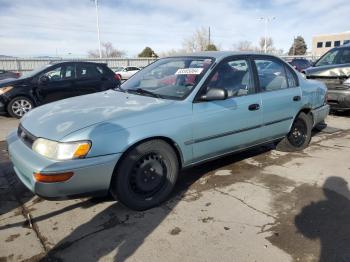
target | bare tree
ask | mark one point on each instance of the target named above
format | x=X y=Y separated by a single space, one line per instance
x=269 y=44
x=107 y=51
x=244 y=46
x=199 y=41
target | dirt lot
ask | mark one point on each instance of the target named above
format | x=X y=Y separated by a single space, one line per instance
x=261 y=205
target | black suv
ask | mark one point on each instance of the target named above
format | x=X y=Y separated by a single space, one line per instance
x=54 y=82
x=333 y=68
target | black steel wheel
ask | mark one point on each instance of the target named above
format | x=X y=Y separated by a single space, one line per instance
x=299 y=136
x=146 y=175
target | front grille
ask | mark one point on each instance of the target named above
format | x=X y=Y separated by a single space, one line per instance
x=25 y=136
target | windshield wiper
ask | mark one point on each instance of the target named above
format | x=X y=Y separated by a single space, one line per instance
x=144 y=92
x=119 y=89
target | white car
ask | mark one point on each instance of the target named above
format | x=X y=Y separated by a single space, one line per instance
x=127 y=72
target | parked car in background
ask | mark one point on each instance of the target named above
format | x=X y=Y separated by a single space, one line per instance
x=300 y=64
x=54 y=82
x=333 y=68
x=127 y=72
x=133 y=141
x=8 y=74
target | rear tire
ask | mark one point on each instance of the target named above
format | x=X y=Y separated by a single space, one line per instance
x=299 y=136
x=146 y=176
x=19 y=106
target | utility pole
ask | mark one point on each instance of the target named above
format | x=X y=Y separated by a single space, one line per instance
x=293 y=45
x=98 y=28
x=209 y=36
x=266 y=20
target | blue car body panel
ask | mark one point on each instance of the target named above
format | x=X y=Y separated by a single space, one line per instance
x=115 y=121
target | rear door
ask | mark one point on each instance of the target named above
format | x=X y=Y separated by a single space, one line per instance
x=280 y=95
x=60 y=83
x=90 y=78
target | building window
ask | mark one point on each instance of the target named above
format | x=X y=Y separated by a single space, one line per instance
x=336 y=43
x=319 y=44
x=328 y=44
x=346 y=42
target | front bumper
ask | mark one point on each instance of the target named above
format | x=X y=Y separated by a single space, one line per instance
x=91 y=175
x=320 y=114
x=2 y=105
x=339 y=99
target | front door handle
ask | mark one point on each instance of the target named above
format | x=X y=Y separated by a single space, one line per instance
x=254 y=107
x=296 y=98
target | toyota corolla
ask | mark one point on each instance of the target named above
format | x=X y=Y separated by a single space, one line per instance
x=175 y=113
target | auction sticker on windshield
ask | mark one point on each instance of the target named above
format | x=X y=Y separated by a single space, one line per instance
x=189 y=71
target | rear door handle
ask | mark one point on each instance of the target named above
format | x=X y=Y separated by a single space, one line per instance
x=296 y=98
x=254 y=107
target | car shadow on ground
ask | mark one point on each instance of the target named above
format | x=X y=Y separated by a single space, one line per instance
x=328 y=220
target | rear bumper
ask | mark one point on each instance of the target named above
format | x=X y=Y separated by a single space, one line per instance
x=91 y=175
x=320 y=114
x=339 y=99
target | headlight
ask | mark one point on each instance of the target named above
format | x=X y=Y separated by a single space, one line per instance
x=61 y=151
x=5 y=89
x=347 y=82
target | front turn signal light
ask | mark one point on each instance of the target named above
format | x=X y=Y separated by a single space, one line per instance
x=53 y=178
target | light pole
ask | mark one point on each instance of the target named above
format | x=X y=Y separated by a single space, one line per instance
x=98 y=28
x=266 y=19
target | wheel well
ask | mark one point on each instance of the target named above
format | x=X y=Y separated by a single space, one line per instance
x=169 y=141
x=20 y=95
x=307 y=111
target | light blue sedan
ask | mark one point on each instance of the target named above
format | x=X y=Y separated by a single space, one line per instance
x=175 y=113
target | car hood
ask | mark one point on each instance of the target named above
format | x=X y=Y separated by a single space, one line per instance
x=328 y=71
x=12 y=81
x=56 y=120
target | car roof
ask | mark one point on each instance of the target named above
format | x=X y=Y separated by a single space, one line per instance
x=220 y=54
x=77 y=62
x=342 y=46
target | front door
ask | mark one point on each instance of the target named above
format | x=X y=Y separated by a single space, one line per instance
x=59 y=84
x=227 y=125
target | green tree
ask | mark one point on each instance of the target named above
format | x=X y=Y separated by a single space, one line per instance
x=211 y=47
x=147 y=52
x=298 y=47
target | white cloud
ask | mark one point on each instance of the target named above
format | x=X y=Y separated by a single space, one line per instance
x=41 y=27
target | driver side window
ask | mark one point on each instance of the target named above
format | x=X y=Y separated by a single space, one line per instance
x=235 y=76
x=55 y=74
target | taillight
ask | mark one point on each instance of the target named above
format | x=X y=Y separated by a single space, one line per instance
x=117 y=77
x=18 y=74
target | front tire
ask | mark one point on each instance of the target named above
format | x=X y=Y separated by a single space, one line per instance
x=19 y=106
x=146 y=176
x=299 y=136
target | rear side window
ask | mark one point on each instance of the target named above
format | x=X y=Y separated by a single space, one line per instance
x=345 y=56
x=89 y=71
x=292 y=81
x=272 y=77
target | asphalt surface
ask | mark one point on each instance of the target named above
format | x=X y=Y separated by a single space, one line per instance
x=260 y=205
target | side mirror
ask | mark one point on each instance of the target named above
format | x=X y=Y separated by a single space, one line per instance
x=215 y=94
x=44 y=79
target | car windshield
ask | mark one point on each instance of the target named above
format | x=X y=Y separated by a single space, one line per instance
x=169 y=78
x=329 y=58
x=34 y=72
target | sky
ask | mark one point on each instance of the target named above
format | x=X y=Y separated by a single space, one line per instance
x=68 y=28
